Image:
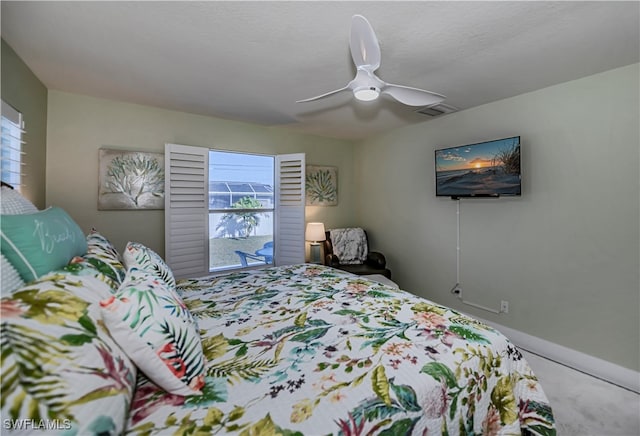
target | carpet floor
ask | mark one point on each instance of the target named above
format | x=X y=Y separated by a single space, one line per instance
x=584 y=405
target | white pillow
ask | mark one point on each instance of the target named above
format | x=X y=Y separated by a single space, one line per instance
x=9 y=277
x=13 y=203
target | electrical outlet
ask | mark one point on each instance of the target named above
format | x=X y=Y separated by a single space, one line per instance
x=504 y=306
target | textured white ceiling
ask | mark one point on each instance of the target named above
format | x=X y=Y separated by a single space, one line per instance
x=250 y=61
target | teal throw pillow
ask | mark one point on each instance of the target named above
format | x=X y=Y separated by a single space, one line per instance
x=40 y=242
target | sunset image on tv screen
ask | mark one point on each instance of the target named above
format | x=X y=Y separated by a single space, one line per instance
x=485 y=169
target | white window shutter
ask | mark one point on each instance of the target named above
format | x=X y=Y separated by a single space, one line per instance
x=290 y=203
x=186 y=215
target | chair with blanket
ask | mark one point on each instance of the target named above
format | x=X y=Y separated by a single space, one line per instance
x=348 y=250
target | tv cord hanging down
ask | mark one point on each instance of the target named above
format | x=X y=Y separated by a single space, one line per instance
x=457 y=288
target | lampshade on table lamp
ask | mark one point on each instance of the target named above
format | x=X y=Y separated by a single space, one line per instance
x=315 y=234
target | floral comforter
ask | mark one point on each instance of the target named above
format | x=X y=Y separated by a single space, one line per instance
x=310 y=350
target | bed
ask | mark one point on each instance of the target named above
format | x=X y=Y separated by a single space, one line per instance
x=291 y=350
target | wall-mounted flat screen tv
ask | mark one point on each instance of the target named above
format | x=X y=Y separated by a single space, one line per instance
x=485 y=169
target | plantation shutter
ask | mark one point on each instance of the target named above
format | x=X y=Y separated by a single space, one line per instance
x=187 y=210
x=11 y=149
x=290 y=203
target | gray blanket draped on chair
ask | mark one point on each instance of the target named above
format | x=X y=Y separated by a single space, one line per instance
x=350 y=245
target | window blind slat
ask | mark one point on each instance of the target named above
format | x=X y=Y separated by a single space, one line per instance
x=11 y=146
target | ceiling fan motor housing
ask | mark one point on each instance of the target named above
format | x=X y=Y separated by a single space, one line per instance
x=366 y=86
x=366 y=93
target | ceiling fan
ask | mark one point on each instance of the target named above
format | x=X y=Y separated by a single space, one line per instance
x=366 y=86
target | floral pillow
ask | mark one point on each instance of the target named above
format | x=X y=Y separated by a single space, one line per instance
x=59 y=362
x=103 y=255
x=154 y=327
x=138 y=256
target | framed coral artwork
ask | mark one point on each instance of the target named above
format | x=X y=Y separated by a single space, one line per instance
x=130 y=180
x=321 y=185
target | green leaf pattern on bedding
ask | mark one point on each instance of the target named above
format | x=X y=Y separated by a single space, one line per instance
x=309 y=350
x=58 y=361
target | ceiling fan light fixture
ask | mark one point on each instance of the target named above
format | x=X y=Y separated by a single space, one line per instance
x=368 y=93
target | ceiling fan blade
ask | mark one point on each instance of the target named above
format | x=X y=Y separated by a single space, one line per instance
x=413 y=96
x=365 y=50
x=318 y=97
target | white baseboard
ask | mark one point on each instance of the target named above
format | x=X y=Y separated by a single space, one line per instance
x=591 y=365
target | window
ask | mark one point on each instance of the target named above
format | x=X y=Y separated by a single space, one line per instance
x=210 y=212
x=11 y=148
x=241 y=206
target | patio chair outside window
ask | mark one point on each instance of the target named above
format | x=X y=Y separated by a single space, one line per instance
x=245 y=256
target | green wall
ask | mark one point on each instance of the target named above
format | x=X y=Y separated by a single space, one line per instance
x=565 y=254
x=22 y=90
x=78 y=126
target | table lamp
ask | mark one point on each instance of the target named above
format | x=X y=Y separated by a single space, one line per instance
x=315 y=234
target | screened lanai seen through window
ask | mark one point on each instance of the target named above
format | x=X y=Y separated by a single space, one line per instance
x=241 y=209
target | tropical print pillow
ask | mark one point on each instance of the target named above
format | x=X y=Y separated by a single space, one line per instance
x=103 y=255
x=138 y=256
x=60 y=366
x=155 y=328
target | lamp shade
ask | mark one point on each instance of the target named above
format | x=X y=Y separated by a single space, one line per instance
x=315 y=232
